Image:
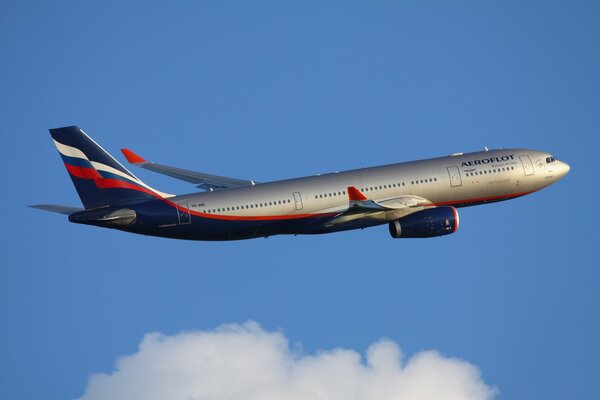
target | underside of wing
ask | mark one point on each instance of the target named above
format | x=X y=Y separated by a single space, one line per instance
x=390 y=209
x=200 y=179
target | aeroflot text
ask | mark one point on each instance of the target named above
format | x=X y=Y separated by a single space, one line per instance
x=488 y=160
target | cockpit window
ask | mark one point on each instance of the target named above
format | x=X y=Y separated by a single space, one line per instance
x=550 y=160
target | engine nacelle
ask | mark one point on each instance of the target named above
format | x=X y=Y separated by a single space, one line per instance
x=431 y=222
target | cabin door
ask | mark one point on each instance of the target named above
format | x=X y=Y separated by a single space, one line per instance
x=527 y=165
x=298 y=200
x=454 y=174
x=183 y=214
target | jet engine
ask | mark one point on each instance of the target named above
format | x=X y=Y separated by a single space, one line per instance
x=431 y=222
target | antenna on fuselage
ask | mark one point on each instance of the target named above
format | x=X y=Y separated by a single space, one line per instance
x=485 y=148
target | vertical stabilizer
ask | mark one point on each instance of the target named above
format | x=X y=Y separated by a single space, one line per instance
x=100 y=180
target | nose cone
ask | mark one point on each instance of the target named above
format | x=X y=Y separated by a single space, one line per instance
x=564 y=168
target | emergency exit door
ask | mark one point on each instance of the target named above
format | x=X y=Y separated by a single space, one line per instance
x=454 y=175
x=527 y=165
x=298 y=200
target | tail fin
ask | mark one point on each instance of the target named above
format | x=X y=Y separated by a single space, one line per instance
x=100 y=180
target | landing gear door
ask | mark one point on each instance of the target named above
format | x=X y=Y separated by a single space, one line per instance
x=183 y=214
x=298 y=200
x=527 y=165
x=454 y=174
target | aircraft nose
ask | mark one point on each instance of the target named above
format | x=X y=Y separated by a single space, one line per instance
x=565 y=168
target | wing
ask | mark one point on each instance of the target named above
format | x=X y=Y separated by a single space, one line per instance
x=386 y=210
x=200 y=179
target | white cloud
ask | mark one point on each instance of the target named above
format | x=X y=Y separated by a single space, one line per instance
x=245 y=362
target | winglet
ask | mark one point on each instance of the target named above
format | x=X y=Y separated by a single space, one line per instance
x=132 y=157
x=355 y=195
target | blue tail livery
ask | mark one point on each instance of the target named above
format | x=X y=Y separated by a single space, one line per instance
x=100 y=180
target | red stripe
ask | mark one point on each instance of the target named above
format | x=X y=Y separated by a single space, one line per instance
x=478 y=199
x=82 y=172
x=111 y=183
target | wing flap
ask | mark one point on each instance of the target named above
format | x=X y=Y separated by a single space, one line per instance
x=389 y=209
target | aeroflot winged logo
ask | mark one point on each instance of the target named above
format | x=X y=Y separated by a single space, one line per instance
x=488 y=160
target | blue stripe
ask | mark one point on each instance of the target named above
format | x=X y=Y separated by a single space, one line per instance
x=110 y=175
x=76 y=161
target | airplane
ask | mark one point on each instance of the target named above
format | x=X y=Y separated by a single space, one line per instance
x=417 y=199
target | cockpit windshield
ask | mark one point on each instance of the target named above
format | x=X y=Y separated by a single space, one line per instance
x=550 y=160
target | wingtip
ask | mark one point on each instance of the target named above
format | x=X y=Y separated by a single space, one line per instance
x=132 y=157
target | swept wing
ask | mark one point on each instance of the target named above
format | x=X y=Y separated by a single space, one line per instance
x=200 y=179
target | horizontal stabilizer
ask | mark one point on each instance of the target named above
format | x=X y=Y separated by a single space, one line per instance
x=200 y=179
x=57 y=209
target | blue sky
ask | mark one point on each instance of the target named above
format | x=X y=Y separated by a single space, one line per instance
x=269 y=90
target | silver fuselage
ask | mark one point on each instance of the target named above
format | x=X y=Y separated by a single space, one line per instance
x=459 y=180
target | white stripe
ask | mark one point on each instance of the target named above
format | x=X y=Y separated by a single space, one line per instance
x=103 y=167
x=106 y=168
x=69 y=151
x=107 y=154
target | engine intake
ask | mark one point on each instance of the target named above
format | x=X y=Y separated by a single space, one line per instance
x=427 y=223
